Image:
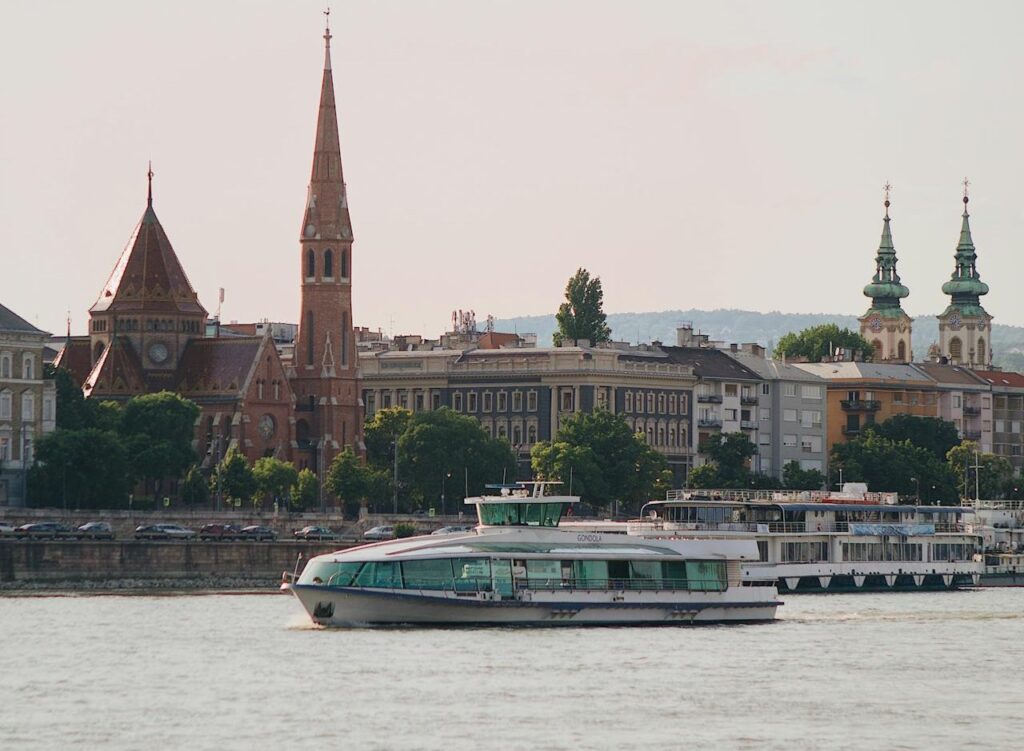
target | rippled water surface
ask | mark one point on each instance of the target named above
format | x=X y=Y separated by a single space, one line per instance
x=895 y=671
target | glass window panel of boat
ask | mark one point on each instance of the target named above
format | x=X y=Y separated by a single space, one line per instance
x=329 y=572
x=674 y=574
x=532 y=513
x=544 y=573
x=551 y=513
x=590 y=573
x=428 y=574
x=501 y=570
x=645 y=574
x=498 y=513
x=705 y=575
x=379 y=574
x=472 y=574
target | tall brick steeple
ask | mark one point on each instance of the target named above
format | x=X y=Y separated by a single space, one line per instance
x=326 y=375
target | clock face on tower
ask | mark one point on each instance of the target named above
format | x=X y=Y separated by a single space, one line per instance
x=954 y=321
x=158 y=352
x=875 y=322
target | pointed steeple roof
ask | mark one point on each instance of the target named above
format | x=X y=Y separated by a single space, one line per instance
x=327 y=214
x=965 y=286
x=148 y=277
x=885 y=289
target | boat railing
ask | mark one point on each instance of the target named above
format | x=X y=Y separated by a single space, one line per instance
x=479 y=585
x=804 y=527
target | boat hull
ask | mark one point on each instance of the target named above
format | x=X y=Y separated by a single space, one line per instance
x=362 y=607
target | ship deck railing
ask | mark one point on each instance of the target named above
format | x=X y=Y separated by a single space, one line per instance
x=472 y=586
x=772 y=527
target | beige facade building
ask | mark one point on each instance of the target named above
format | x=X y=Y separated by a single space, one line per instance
x=28 y=402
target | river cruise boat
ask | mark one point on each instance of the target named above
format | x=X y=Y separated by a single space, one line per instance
x=1001 y=525
x=519 y=567
x=818 y=541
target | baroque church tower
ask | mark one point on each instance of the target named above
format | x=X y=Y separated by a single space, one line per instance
x=325 y=374
x=886 y=325
x=965 y=328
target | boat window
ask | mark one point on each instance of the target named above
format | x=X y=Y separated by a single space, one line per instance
x=706 y=575
x=429 y=574
x=379 y=574
x=472 y=574
x=645 y=574
x=518 y=514
x=590 y=573
x=674 y=574
x=502 y=571
x=329 y=573
x=544 y=574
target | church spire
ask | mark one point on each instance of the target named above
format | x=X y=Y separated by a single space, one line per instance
x=885 y=289
x=327 y=216
x=965 y=286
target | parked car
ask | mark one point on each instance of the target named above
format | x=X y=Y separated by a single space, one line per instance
x=43 y=531
x=451 y=530
x=6 y=530
x=95 y=531
x=379 y=533
x=219 y=532
x=316 y=533
x=163 y=532
x=257 y=532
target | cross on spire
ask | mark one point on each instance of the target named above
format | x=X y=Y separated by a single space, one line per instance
x=327 y=24
x=149 y=175
x=967 y=184
x=887 y=188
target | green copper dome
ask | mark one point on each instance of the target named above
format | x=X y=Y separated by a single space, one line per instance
x=885 y=289
x=965 y=285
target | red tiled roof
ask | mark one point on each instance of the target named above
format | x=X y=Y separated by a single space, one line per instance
x=117 y=373
x=1002 y=377
x=76 y=358
x=217 y=367
x=148 y=277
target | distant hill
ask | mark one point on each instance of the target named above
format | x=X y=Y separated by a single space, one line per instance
x=764 y=328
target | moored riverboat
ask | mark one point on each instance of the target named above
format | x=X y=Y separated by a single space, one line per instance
x=518 y=567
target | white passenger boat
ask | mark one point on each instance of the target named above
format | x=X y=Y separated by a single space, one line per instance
x=811 y=541
x=518 y=567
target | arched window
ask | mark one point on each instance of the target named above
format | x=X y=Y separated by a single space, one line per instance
x=531 y=434
x=6 y=400
x=310 y=264
x=902 y=351
x=955 y=349
x=27 y=369
x=28 y=407
x=5 y=365
x=876 y=349
x=981 y=350
x=344 y=263
x=309 y=336
x=328 y=263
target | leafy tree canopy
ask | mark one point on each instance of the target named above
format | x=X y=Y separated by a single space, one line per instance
x=795 y=478
x=380 y=432
x=305 y=491
x=582 y=316
x=274 y=478
x=236 y=477
x=157 y=430
x=605 y=460
x=85 y=468
x=195 y=488
x=936 y=435
x=353 y=482
x=976 y=473
x=730 y=453
x=818 y=342
x=891 y=466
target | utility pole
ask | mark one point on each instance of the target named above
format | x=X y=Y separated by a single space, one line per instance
x=394 y=498
x=977 y=475
x=220 y=492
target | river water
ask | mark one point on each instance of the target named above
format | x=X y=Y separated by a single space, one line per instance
x=886 y=671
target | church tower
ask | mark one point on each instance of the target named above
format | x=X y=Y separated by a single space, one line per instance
x=325 y=374
x=886 y=325
x=965 y=331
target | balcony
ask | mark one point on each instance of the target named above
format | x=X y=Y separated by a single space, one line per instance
x=861 y=405
x=709 y=422
x=748 y=425
x=709 y=398
x=972 y=435
x=851 y=430
x=748 y=401
x=972 y=411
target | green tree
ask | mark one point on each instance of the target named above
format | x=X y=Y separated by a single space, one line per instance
x=157 y=430
x=195 y=488
x=989 y=482
x=890 y=466
x=582 y=316
x=730 y=453
x=305 y=490
x=608 y=462
x=932 y=433
x=443 y=452
x=380 y=433
x=85 y=468
x=351 y=481
x=236 y=477
x=819 y=342
x=704 y=476
x=795 y=478
x=274 y=478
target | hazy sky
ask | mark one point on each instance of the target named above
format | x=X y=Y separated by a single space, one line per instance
x=692 y=154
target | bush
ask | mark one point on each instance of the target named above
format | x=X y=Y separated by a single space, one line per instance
x=405 y=530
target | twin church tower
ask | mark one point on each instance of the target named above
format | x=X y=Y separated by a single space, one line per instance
x=964 y=326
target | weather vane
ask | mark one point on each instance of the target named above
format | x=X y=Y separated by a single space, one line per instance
x=887 y=188
x=967 y=184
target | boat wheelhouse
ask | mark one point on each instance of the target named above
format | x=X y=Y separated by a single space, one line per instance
x=829 y=542
x=519 y=567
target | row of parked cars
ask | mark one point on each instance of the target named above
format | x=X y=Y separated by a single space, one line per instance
x=104 y=531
